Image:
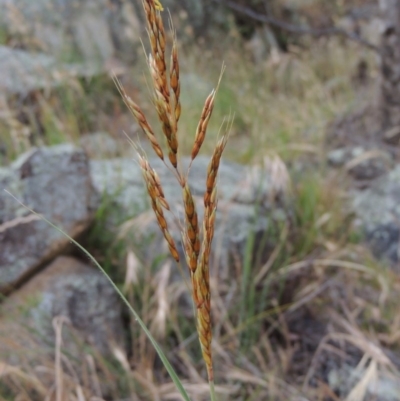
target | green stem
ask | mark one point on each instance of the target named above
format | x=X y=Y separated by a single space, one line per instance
x=212 y=391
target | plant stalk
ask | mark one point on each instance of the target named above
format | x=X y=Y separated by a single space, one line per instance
x=212 y=391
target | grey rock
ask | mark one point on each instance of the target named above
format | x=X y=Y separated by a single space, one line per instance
x=200 y=16
x=338 y=157
x=385 y=387
x=52 y=181
x=68 y=29
x=245 y=206
x=91 y=33
x=367 y=19
x=99 y=145
x=23 y=72
x=377 y=212
x=67 y=288
x=361 y=163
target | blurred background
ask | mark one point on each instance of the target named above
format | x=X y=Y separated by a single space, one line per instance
x=284 y=58
x=305 y=264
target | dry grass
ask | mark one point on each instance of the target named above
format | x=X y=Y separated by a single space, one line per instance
x=355 y=301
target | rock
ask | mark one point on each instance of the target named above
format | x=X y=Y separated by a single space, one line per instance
x=338 y=157
x=55 y=182
x=356 y=127
x=65 y=288
x=380 y=387
x=361 y=163
x=247 y=206
x=377 y=211
x=392 y=135
x=99 y=145
x=23 y=72
x=364 y=19
x=70 y=29
x=91 y=32
x=198 y=18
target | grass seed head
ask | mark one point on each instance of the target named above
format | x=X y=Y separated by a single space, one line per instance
x=212 y=170
x=162 y=222
x=158 y=70
x=191 y=258
x=160 y=190
x=172 y=246
x=153 y=183
x=141 y=120
x=158 y=202
x=203 y=123
x=191 y=229
x=174 y=81
x=167 y=104
x=202 y=297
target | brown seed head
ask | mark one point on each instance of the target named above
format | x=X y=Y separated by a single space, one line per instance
x=172 y=246
x=203 y=123
x=212 y=170
x=168 y=121
x=191 y=230
x=162 y=222
x=190 y=256
x=153 y=182
x=202 y=297
x=158 y=68
x=174 y=81
x=141 y=120
x=204 y=118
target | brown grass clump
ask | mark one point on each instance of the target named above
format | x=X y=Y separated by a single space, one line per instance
x=196 y=239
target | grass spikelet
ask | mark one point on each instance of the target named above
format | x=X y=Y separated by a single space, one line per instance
x=153 y=182
x=157 y=184
x=203 y=123
x=156 y=34
x=202 y=297
x=201 y=284
x=204 y=119
x=189 y=253
x=157 y=203
x=191 y=231
x=201 y=276
x=141 y=119
x=166 y=117
x=174 y=81
x=212 y=170
x=209 y=217
x=161 y=95
x=158 y=71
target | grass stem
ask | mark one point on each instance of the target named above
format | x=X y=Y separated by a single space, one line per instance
x=212 y=391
